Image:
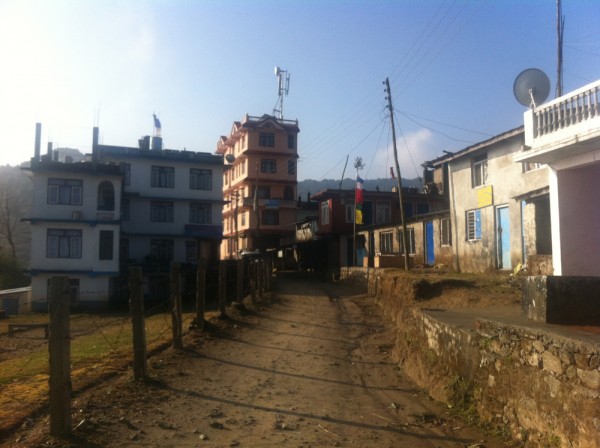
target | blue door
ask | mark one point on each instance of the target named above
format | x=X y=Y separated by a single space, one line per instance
x=503 y=238
x=429 y=252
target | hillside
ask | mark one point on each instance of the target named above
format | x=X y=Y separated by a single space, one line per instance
x=314 y=186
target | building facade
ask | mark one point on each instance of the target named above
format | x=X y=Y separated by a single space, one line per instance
x=564 y=134
x=123 y=207
x=498 y=208
x=171 y=209
x=75 y=230
x=259 y=184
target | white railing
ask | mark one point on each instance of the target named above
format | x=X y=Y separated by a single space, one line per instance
x=568 y=110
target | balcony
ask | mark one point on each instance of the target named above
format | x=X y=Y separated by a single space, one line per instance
x=563 y=128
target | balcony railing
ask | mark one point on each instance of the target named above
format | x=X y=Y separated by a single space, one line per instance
x=562 y=128
x=568 y=110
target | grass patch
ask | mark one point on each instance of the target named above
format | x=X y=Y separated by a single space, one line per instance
x=100 y=345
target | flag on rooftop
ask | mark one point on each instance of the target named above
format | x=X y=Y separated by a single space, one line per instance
x=358 y=200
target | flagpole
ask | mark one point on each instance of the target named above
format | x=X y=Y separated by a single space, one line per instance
x=359 y=165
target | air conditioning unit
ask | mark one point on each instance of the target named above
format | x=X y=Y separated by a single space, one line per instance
x=77 y=215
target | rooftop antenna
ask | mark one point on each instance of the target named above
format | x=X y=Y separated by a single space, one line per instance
x=531 y=87
x=283 y=78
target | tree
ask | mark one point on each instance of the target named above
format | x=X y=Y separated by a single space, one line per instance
x=15 y=202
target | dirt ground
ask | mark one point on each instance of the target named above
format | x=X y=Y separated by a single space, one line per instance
x=309 y=368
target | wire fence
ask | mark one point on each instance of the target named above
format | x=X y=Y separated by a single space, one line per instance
x=100 y=342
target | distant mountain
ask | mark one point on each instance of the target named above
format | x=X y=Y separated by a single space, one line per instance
x=314 y=186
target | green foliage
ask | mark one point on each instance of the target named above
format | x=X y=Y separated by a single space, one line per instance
x=11 y=273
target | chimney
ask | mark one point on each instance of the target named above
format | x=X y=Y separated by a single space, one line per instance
x=38 y=142
x=96 y=132
x=308 y=197
x=50 y=158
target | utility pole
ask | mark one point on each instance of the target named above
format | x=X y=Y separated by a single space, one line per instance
x=359 y=165
x=560 y=28
x=388 y=91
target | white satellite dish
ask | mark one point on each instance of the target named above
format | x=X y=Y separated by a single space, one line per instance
x=531 y=87
x=230 y=158
x=277 y=70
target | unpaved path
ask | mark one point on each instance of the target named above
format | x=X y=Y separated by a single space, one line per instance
x=310 y=369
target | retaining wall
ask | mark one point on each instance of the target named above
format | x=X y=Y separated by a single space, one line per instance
x=532 y=383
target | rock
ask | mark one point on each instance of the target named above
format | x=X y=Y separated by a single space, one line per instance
x=203 y=437
x=551 y=363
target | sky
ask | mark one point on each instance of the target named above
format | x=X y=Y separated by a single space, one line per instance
x=200 y=65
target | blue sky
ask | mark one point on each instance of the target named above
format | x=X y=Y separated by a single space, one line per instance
x=201 y=65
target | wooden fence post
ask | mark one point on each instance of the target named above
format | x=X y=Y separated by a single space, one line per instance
x=239 y=296
x=260 y=276
x=176 y=315
x=200 y=294
x=252 y=280
x=59 y=354
x=222 y=288
x=136 y=307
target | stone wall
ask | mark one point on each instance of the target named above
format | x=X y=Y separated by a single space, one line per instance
x=532 y=383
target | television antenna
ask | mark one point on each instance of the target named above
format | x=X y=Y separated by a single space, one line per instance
x=283 y=78
x=531 y=87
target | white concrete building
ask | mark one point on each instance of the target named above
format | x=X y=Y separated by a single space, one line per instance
x=172 y=205
x=75 y=229
x=565 y=134
x=498 y=208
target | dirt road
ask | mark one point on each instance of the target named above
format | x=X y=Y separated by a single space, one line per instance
x=310 y=369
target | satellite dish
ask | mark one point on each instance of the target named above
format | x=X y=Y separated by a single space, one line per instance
x=230 y=158
x=531 y=87
x=277 y=70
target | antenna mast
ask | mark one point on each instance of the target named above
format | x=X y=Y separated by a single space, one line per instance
x=283 y=79
x=388 y=91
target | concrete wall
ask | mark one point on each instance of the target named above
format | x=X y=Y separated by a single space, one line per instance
x=562 y=299
x=507 y=181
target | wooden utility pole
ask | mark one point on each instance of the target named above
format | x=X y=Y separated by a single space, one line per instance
x=560 y=28
x=138 y=326
x=200 y=294
x=176 y=313
x=388 y=91
x=59 y=354
x=223 y=289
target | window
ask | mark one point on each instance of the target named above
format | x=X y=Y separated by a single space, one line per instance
x=63 y=243
x=350 y=213
x=411 y=241
x=106 y=245
x=266 y=139
x=479 y=170
x=124 y=249
x=270 y=217
x=191 y=251
x=65 y=191
x=474 y=225
x=288 y=193
x=264 y=192
x=268 y=166
x=291 y=142
x=383 y=213
x=163 y=177
x=161 y=211
x=200 y=213
x=126 y=171
x=161 y=249
x=106 y=196
x=408 y=210
x=445 y=232
x=200 y=179
x=386 y=242
x=291 y=166
x=325 y=212
x=243 y=214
